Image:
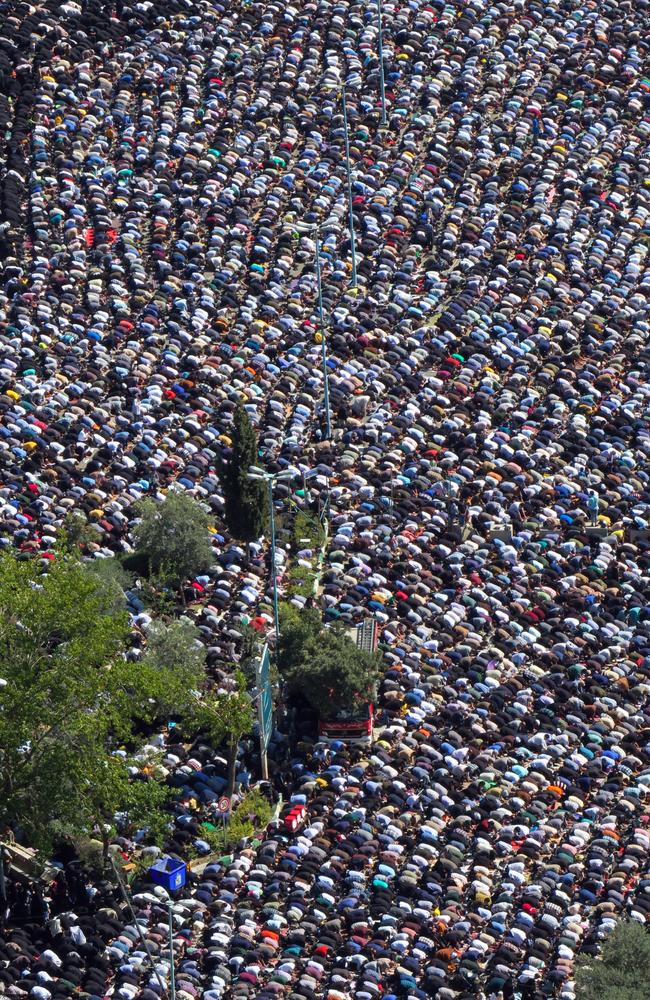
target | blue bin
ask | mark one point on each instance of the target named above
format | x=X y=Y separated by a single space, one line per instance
x=169 y=873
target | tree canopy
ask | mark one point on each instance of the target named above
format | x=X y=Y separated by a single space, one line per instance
x=224 y=717
x=246 y=499
x=70 y=697
x=622 y=972
x=173 y=538
x=113 y=795
x=76 y=531
x=323 y=664
x=174 y=647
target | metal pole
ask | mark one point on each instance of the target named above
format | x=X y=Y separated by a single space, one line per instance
x=353 y=249
x=382 y=81
x=139 y=928
x=3 y=882
x=276 y=613
x=264 y=759
x=325 y=513
x=172 y=960
x=323 y=342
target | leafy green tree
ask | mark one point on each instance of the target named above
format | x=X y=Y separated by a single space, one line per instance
x=622 y=972
x=113 y=573
x=173 y=537
x=158 y=597
x=324 y=665
x=225 y=718
x=172 y=669
x=116 y=799
x=70 y=697
x=299 y=630
x=246 y=499
x=165 y=682
x=249 y=652
x=76 y=532
x=177 y=646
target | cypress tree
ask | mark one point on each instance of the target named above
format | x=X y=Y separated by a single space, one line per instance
x=246 y=499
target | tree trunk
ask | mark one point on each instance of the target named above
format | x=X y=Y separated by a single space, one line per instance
x=232 y=766
x=106 y=843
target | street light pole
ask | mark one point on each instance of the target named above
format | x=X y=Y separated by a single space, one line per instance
x=323 y=340
x=255 y=472
x=172 y=970
x=382 y=81
x=353 y=249
x=145 y=943
x=276 y=612
x=3 y=881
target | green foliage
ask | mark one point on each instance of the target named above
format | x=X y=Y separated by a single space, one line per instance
x=111 y=571
x=177 y=646
x=255 y=809
x=132 y=803
x=253 y=814
x=246 y=499
x=113 y=574
x=173 y=667
x=299 y=630
x=158 y=597
x=308 y=531
x=249 y=653
x=623 y=970
x=135 y=563
x=300 y=580
x=69 y=697
x=91 y=854
x=324 y=665
x=224 y=718
x=173 y=538
x=76 y=532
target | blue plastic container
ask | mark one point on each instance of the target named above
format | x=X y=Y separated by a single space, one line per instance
x=169 y=873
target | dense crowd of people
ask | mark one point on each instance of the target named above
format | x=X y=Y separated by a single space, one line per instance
x=166 y=171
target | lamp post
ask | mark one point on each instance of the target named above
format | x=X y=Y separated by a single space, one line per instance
x=255 y=472
x=323 y=340
x=172 y=970
x=382 y=81
x=353 y=249
x=145 y=942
